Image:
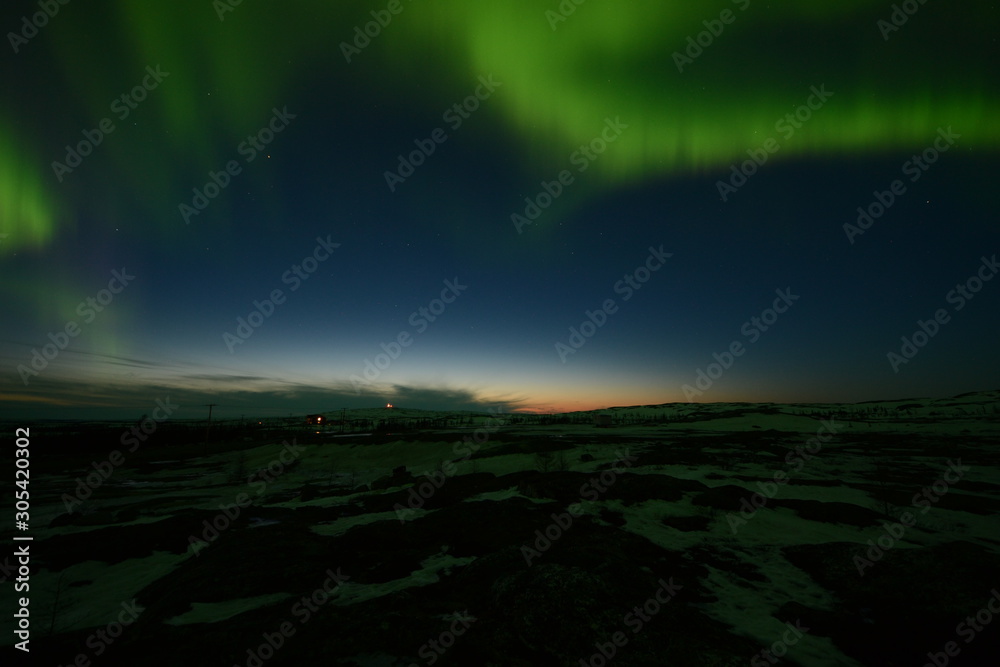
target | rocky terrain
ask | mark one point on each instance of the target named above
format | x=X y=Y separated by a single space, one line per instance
x=714 y=534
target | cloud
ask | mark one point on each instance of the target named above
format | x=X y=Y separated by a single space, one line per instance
x=55 y=395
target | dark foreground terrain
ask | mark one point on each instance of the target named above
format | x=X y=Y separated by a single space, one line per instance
x=725 y=535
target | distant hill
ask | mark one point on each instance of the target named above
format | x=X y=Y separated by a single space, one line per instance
x=977 y=402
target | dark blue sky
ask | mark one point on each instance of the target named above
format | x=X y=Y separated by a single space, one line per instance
x=651 y=183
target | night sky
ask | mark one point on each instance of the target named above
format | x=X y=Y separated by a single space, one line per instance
x=459 y=188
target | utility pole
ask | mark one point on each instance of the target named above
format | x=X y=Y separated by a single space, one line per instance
x=208 y=427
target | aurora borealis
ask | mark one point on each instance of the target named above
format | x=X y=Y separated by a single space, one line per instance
x=358 y=157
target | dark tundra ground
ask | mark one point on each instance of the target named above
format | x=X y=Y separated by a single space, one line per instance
x=873 y=539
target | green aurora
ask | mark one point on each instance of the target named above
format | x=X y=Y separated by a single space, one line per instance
x=561 y=78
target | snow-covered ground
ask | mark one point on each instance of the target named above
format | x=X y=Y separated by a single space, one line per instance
x=190 y=538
